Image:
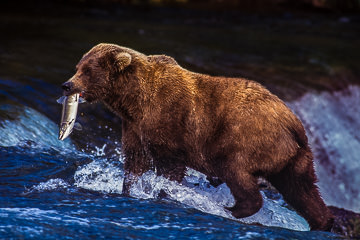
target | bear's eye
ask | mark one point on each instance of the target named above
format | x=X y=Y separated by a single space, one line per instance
x=87 y=71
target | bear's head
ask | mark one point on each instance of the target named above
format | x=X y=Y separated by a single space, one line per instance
x=97 y=71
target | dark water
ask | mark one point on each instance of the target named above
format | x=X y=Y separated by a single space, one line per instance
x=51 y=189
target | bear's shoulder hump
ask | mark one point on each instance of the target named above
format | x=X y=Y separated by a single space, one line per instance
x=162 y=59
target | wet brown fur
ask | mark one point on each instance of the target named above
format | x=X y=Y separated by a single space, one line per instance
x=229 y=128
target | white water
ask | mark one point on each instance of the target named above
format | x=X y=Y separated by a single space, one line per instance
x=105 y=177
x=100 y=176
x=212 y=200
x=332 y=121
x=54 y=183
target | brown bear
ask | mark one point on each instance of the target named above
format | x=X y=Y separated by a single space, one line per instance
x=232 y=129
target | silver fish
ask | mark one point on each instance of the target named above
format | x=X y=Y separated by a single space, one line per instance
x=68 y=115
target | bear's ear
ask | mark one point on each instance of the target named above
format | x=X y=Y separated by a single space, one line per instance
x=123 y=60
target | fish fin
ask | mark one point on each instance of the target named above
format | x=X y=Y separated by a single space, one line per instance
x=61 y=100
x=78 y=127
x=82 y=100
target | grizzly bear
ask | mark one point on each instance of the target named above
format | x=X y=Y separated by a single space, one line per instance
x=232 y=129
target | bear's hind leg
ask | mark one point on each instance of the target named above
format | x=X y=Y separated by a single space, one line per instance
x=296 y=182
x=245 y=190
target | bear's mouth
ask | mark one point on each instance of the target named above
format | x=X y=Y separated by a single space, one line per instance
x=71 y=91
x=87 y=97
x=84 y=97
x=68 y=93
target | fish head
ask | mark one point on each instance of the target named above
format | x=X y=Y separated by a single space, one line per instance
x=97 y=72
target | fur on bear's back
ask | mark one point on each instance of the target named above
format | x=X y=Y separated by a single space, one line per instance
x=199 y=107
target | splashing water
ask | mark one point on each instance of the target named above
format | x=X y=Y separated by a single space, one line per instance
x=194 y=192
x=100 y=176
x=55 y=183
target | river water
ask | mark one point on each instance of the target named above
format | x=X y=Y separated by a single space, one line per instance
x=53 y=189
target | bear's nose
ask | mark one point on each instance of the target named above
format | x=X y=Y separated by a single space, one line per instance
x=67 y=86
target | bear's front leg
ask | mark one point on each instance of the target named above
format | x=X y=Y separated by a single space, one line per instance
x=137 y=161
x=172 y=169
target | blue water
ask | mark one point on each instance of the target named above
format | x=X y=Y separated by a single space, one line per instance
x=51 y=189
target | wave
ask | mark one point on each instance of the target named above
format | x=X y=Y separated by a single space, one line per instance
x=27 y=127
x=38 y=216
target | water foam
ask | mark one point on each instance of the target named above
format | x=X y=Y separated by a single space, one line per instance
x=195 y=191
x=52 y=184
x=209 y=199
x=100 y=175
x=332 y=121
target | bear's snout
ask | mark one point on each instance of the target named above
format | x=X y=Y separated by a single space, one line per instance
x=67 y=86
